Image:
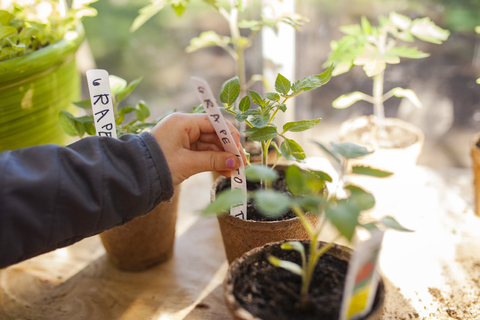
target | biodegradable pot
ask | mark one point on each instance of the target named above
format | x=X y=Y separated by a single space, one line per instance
x=240 y=236
x=145 y=241
x=34 y=88
x=242 y=285
x=398 y=151
x=475 y=154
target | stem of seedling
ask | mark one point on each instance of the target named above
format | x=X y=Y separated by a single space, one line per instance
x=378 y=102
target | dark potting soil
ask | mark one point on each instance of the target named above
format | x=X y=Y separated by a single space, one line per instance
x=252 y=212
x=272 y=293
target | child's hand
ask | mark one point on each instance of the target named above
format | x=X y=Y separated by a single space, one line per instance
x=190 y=145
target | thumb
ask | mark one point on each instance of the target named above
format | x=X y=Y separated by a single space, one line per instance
x=214 y=161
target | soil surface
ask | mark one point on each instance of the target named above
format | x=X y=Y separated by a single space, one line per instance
x=252 y=211
x=272 y=293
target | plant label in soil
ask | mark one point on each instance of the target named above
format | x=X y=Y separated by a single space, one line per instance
x=102 y=104
x=204 y=93
x=362 y=278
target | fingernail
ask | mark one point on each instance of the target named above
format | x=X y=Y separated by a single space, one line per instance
x=230 y=163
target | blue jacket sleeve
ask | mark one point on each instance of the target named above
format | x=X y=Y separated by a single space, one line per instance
x=52 y=196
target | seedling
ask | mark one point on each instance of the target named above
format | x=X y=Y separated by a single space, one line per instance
x=78 y=126
x=29 y=27
x=374 y=48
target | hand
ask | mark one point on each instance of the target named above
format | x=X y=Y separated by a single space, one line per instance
x=191 y=146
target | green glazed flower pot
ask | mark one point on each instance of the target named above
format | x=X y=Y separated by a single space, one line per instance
x=34 y=88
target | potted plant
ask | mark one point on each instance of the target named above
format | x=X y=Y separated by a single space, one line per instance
x=38 y=41
x=241 y=235
x=302 y=279
x=396 y=142
x=136 y=245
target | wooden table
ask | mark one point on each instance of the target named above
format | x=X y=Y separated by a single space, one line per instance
x=433 y=273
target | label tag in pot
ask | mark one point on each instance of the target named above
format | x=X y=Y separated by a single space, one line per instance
x=362 y=278
x=102 y=104
x=204 y=93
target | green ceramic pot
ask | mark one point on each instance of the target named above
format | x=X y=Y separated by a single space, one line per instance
x=34 y=88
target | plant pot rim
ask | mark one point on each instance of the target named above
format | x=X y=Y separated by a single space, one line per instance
x=36 y=61
x=340 y=252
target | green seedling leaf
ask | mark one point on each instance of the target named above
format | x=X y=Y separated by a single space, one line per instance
x=117 y=84
x=142 y=112
x=291 y=150
x=426 y=30
x=328 y=151
x=303 y=181
x=6 y=32
x=146 y=13
x=67 y=122
x=272 y=96
x=409 y=94
x=244 y=104
x=198 y=109
x=400 y=21
x=179 y=7
x=230 y=91
x=121 y=114
x=287 y=265
x=208 y=39
x=370 y=227
x=256 y=98
x=367 y=171
x=263 y=134
x=126 y=92
x=366 y=26
x=322 y=175
x=311 y=204
x=299 y=126
x=282 y=84
x=344 y=216
x=349 y=150
x=391 y=223
x=359 y=198
x=346 y=100
x=224 y=201
x=293 y=245
x=261 y=120
x=282 y=107
x=256 y=172
x=271 y=203
x=90 y=128
x=84 y=104
x=410 y=53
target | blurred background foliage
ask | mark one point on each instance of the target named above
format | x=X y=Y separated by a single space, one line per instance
x=444 y=82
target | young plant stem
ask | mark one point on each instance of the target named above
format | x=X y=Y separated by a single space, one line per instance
x=378 y=103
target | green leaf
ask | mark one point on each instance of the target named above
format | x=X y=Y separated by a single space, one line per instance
x=142 y=112
x=256 y=98
x=257 y=172
x=312 y=204
x=360 y=198
x=299 y=126
x=282 y=107
x=224 y=201
x=67 y=122
x=426 y=30
x=287 y=265
x=179 y=8
x=263 y=134
x=407 y=93
x=399 y=20
x=344 y=217
x=291 y=150
x=84 y=104
x=366 y=26
x=322 y=175
x=126 y=92
x=271 y=203
x=370 y=172
x=230 y=91
x=117 y=84
x=272 y=96
x=198 y=109
x=346 y=100
x=244 y=104
x=121 y=114
x=293 y=245
x=349 y=150
x=261 y=120
x=90 y=128
x=391 y=223
x=6 y=32
x=312 y=82
x=295 y=180
x=146 y=13
x=328 y=151
x=406 y=52
x=282 y=84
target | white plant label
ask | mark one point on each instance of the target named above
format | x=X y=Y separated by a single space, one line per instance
x=102 y=104
x=362 y=278
x=204 y=93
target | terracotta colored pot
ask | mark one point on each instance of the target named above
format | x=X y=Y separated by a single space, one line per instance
x=145 y=241
x=238 y=267
x=475 y=154
x=394 y=159
x=240 y=236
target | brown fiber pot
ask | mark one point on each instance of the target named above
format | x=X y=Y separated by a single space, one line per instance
x=239 y=265
x=145 y=241
x=240 y=236
x=475 y=154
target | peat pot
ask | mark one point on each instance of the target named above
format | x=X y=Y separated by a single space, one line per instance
x=240 y=236
x=251 y=281
x=34 y=88
x=395 y=153
x=475 y=154
x=145 y=241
